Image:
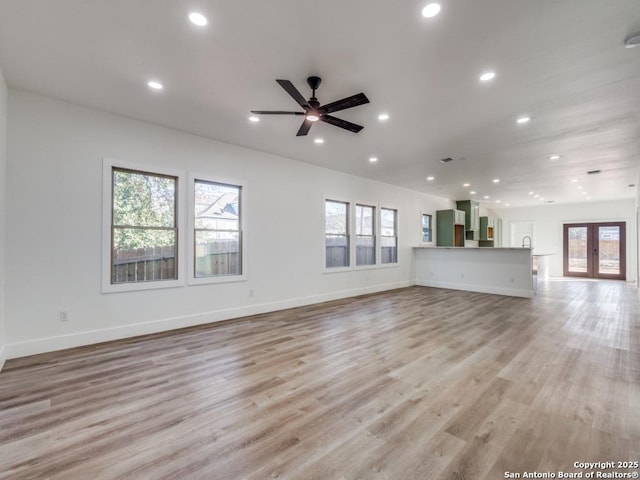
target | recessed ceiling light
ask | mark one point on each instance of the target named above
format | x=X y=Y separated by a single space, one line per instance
x=318 y=140
x=155 y=85
x=523 y=119
x=473 y=192
x=373 y=159
x=536 y=196
x=254 y=119
x=530 y=193
x=555 y=156
x=496 y=180
x=486 y=76
x=430 y=178
x=580 y=187
x=383 y=116
x=588 y=198
x=198 y=19
x=431 y=10
x=507 y=204
x=486 y=197
x=574 y=180
x=497 y=201
x=466 y=184
x=541 y=198
x=584 y=193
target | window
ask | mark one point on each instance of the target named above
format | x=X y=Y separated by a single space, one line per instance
x=217 y=232
x=336 y=215
x=365 y=235
x=426 y=228
x=144 y=229
x=388 y=235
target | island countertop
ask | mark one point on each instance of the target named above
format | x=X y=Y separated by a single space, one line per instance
x=497 y=270
x=472 y=248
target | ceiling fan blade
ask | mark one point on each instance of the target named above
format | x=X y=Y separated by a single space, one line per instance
x=304 y=128
x=338 y=122
x=275 y=112
x=349 y=102
x=293 y=91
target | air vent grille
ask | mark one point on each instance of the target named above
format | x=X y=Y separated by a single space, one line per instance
x=593 y=172
x=446 y=160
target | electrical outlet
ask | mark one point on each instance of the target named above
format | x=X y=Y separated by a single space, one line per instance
x=64 y=316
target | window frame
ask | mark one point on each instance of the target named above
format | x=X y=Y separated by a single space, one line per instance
x=349 y=227
x=191 y=259
x=108 y=166
x=396 y=235
x=374 y=235
x=351 y=211
x=422 y=215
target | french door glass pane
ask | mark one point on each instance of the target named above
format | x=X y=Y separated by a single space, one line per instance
x=609 y=250
x=577 y=249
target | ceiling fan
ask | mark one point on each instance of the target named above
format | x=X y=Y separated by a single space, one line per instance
x=313 y=111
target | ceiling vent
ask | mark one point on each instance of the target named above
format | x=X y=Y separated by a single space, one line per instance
x=446 y=160
x=593 y=172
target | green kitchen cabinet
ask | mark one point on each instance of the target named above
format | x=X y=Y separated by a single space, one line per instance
x=450 y=225
x=487 y=226
x=471 y=208
x=487 y=231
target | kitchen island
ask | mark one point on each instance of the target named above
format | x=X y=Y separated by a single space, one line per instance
x=502 y=271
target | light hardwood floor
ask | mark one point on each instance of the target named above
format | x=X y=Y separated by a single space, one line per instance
x=417 y=383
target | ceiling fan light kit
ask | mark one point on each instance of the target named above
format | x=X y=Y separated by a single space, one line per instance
x=314 y=111
x=632 y=40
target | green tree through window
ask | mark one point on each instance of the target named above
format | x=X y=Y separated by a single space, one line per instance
x=144 y=232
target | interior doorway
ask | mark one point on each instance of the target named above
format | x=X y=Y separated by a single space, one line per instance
x=594 y=250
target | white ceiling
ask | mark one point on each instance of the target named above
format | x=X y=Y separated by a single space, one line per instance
x=560 y=61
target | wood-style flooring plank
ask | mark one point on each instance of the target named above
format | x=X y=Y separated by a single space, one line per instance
x=411 y=384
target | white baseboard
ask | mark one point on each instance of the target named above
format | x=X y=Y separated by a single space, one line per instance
x=2 y=357
x=60 y=342
x=511 y=292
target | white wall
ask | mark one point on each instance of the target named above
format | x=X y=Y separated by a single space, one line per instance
x=54 y=179
x=549 y=219
x=3 y=165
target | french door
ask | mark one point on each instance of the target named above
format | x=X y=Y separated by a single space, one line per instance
x=595 y=250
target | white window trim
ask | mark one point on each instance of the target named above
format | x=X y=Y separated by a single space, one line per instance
x=352 y=244
x=376 y=235
x=189 y=263
x=340 y=199
x=397 y=226
x=107 y=166
x=432 y=229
